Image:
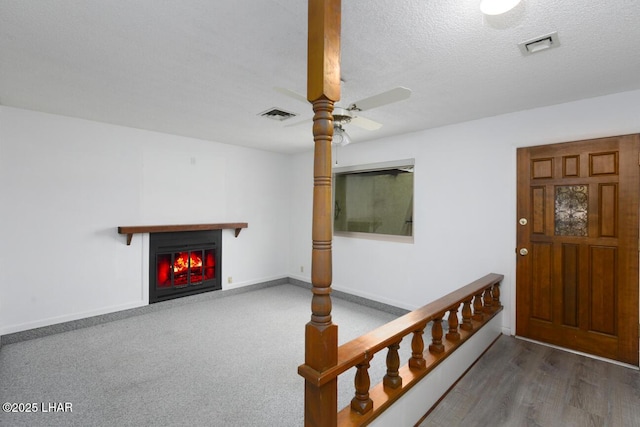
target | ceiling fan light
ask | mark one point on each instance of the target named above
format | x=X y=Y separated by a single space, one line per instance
x=340 y=136
x=497 y=7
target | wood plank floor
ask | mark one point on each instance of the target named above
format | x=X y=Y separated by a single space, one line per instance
x=519 y=383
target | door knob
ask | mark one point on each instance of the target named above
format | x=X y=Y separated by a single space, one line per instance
x=523 y=221
x=524 y=251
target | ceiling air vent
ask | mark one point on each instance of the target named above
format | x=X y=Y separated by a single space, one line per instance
x=277 y=114
x=539 y=44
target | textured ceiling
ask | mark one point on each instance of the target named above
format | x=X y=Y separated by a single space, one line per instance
x=206 y=69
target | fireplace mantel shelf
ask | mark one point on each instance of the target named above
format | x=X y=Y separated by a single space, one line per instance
x=135 y=229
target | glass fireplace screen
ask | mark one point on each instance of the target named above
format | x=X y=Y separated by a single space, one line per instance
x=185 y=268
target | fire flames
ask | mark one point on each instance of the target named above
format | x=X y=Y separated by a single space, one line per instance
x=185 y=259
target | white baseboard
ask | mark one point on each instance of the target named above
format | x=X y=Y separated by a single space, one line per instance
x=236 y=285
x=70 y=317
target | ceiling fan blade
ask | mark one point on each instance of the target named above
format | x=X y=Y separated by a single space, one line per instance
x=365 y=123
x=394 y=95
x=291 y=94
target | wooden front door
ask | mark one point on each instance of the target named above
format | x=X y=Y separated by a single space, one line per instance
x=577 y=254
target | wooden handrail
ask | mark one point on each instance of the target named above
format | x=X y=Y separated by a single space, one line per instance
x=359 y=351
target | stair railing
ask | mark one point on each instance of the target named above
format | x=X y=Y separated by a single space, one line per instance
x=480 y=301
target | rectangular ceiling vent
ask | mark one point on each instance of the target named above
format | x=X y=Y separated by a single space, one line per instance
x=277 y=114
x=548 y=41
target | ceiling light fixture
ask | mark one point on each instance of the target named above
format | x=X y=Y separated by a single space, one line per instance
x=340 y=136
x=497 y=7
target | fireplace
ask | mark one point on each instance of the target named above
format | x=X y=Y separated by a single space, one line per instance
x=183 y=263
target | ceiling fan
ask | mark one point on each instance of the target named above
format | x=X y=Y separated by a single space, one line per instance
x=343 y=116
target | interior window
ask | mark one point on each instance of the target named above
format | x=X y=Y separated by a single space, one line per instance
x=374 y=199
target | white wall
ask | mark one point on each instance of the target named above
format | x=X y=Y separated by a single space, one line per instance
x=465 y=199
x=66 y=184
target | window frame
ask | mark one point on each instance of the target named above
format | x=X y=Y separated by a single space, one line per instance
x=370 y=167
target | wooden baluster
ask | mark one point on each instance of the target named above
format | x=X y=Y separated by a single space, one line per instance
x=466 y=316
x=361 y=402
x=496 y=296
x=436 y=345
x=393 y=379
x=488 y=301
x=417 y=349
x=452 y=320
x=477 y=307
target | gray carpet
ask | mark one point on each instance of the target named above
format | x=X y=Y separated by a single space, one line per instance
x=229 y=361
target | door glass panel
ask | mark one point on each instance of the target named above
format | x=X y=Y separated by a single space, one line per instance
x=571 y=209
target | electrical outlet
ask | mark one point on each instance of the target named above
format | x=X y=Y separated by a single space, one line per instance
x=302 y=269
x=229 y=279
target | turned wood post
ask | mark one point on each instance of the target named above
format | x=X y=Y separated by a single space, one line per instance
x=452 y=320
x=466 y=316
x=496 y=296
x=361 y=402
x=477 y=307
x=417 y=350
x=393 y=379
x=323 y=90
x=488 y=301
x=436 y=345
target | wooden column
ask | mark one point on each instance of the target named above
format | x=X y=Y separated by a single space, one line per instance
x=323 y=90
